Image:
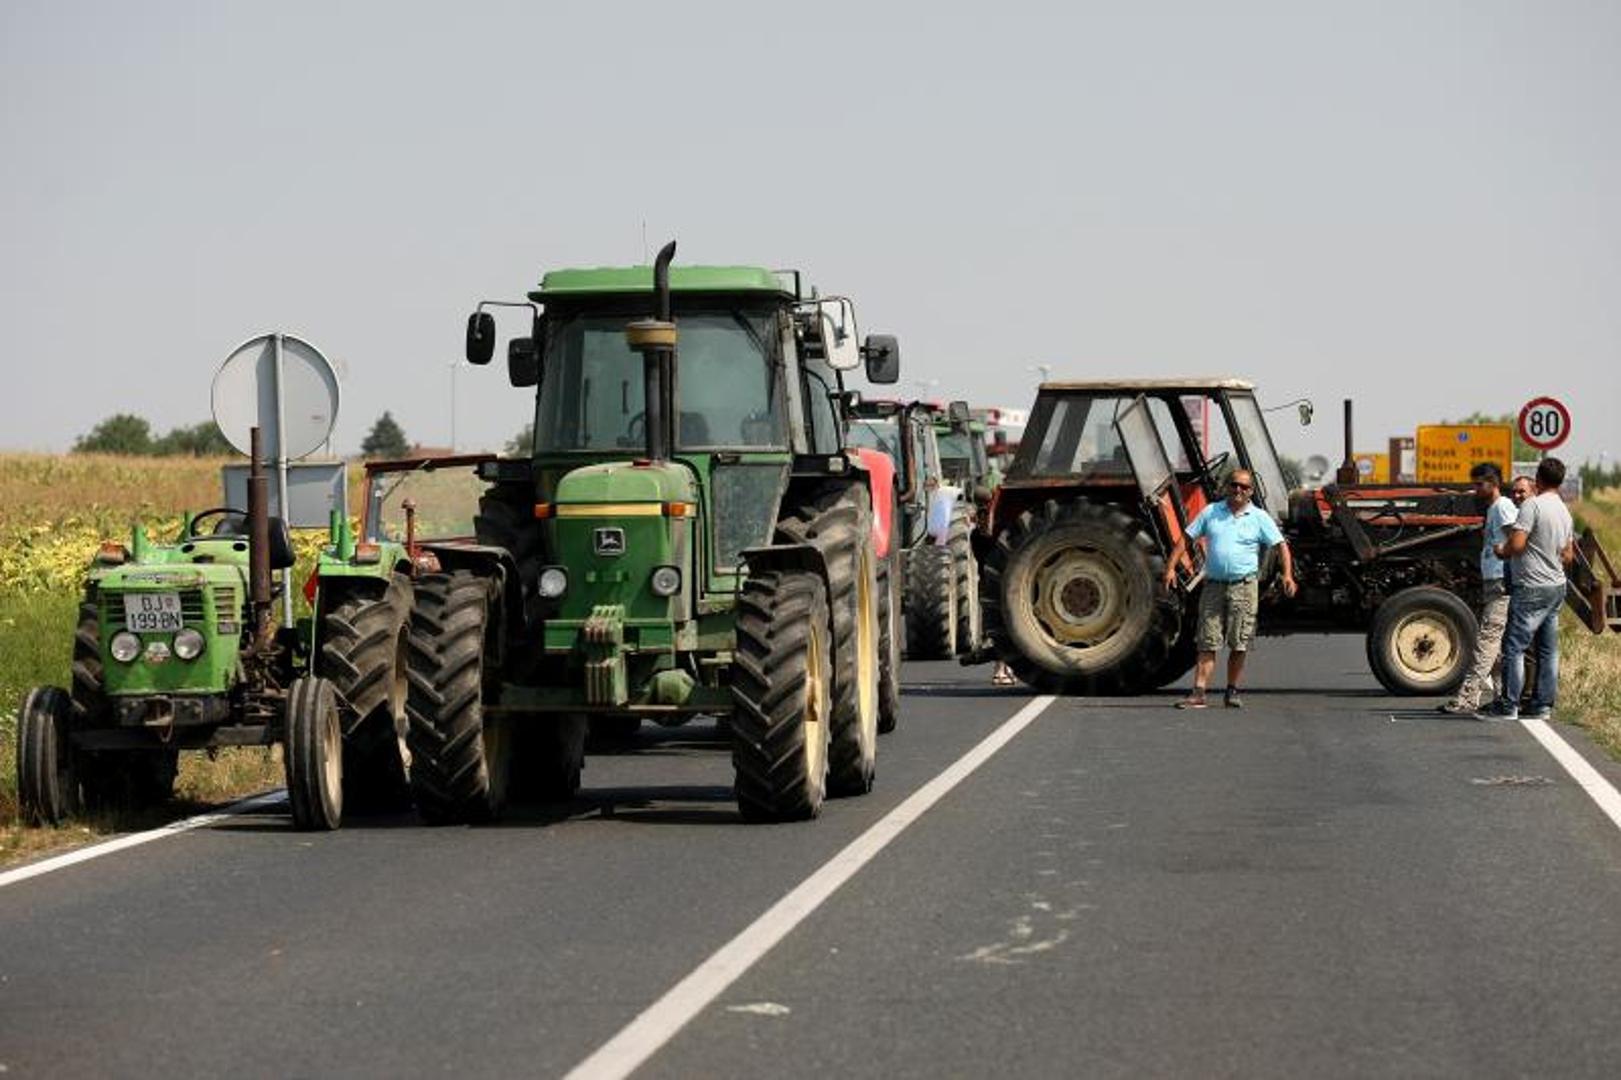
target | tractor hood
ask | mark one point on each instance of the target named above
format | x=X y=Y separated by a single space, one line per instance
x=625 y=482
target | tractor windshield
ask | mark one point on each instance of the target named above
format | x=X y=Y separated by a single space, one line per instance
x=591 y=390
x=963 y=453
x=1080 y=439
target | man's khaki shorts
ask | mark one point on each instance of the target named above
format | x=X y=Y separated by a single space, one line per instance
x=1227 y=614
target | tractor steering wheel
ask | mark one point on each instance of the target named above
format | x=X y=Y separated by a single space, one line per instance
x=635 y=431
x=222 y=512
x=1213 y=467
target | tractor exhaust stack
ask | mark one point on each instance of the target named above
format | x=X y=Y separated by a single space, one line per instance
x=1347 y=472
x=258 y=543
x=655 y=339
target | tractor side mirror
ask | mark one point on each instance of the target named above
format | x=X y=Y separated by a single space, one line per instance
x=523 y=362
x=838 y=322
x=957 y=412
x=480 y=337
x=883 y=353
x=281 y=545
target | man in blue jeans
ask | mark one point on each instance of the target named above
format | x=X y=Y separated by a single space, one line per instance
x=1541 y=543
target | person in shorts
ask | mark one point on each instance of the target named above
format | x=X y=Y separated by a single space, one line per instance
x=1234 y=532
x=1480 y=685
x=1540 y=543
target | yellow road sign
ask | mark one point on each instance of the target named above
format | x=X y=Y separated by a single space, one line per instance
x=1446 y=452
x=1373 y=468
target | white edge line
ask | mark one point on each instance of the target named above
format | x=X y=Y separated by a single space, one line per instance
x=1592 y=781
x=661 y=1021
x=108 y=847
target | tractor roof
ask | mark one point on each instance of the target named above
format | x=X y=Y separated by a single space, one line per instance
x=632 y=280
x=1143 y=386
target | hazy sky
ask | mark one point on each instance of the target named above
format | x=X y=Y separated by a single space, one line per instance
x=1414 y=204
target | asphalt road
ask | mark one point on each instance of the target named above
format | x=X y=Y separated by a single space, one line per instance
x=1329 y=882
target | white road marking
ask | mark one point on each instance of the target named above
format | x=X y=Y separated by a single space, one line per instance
x=660 y=1022
x=122 y=843
x=761 y=1008
x=1599 y=789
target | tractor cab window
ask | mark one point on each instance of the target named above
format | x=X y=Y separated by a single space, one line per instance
x=727 y=380
x=1081 y=440
x=963 y=453
x=876 y=435
x=1271 y=489
x=591 y=392
x=821 y=384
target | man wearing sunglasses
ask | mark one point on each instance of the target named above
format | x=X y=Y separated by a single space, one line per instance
x=1234 y=532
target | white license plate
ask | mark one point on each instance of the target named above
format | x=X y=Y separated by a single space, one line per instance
x=152 y=611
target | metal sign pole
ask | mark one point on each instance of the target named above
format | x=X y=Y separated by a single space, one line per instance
x=281 y=480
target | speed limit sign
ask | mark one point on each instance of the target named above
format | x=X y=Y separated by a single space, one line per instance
x=1544 y=423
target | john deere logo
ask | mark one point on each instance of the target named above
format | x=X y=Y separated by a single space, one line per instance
x=610 y=541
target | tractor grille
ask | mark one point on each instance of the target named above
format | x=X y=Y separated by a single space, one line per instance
x=227 y=607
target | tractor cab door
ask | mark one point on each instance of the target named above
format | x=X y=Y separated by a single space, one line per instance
x=1156 y=479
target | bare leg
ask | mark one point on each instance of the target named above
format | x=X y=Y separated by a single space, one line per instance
x=1201 y=671
x=1235 y=667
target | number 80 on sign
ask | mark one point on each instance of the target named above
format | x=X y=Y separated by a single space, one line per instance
x=1544 y=423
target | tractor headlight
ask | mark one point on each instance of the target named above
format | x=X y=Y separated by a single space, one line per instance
x=188 y=644
x=125 y=646
x=553 y=582
x=666 y=580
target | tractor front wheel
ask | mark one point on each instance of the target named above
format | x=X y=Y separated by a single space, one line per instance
x=314 y=755
x=931 y=603
x=47 y=780
x=1421 y=640
x=782 y=692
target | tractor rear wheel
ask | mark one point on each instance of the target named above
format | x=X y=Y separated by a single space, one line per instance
x=1421 y=640
x=891 y=630
x=47 y=777
x=460 y=759
x=314 y=755
x=782 y=692
x=548 y=753
x=1073 y=602
x=965 y=578
x=838 y=522
x=931 y=603
x=365 y=647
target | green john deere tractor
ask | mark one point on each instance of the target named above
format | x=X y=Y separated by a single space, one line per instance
x=175 y=650
x=689 y=536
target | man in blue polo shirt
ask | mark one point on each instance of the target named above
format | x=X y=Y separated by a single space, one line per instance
x=1234 y=533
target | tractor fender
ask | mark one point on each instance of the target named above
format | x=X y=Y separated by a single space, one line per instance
x=880 y=470
x=942 y=502
x=789 y=557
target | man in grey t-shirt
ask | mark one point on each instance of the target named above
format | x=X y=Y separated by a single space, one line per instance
x=1541 y=542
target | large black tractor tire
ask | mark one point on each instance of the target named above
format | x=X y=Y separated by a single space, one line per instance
x=47 y=776
x=1073 y=602
x=782 y=692
x=838 y=521
x=1420 y=641
x=891 y=628
x=313 y=755
x=365 y=650
x=548 y=753
x=460 y=757
x=965 y=581
x=107 y=780
x=1184 y=651
x=931 y=603
x=506 y=519
x=612 y=732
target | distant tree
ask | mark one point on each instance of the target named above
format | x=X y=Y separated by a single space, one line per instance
x=123 y=433
x=1597 y=477
x=199 y=440
x=386 y=439
x=524 y=441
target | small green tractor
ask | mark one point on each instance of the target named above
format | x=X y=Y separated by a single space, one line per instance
x=175 y=649
x=688 y=536
x=935 y=519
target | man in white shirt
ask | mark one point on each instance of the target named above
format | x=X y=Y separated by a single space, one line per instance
x=1480 y=686
x=1541 y=543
